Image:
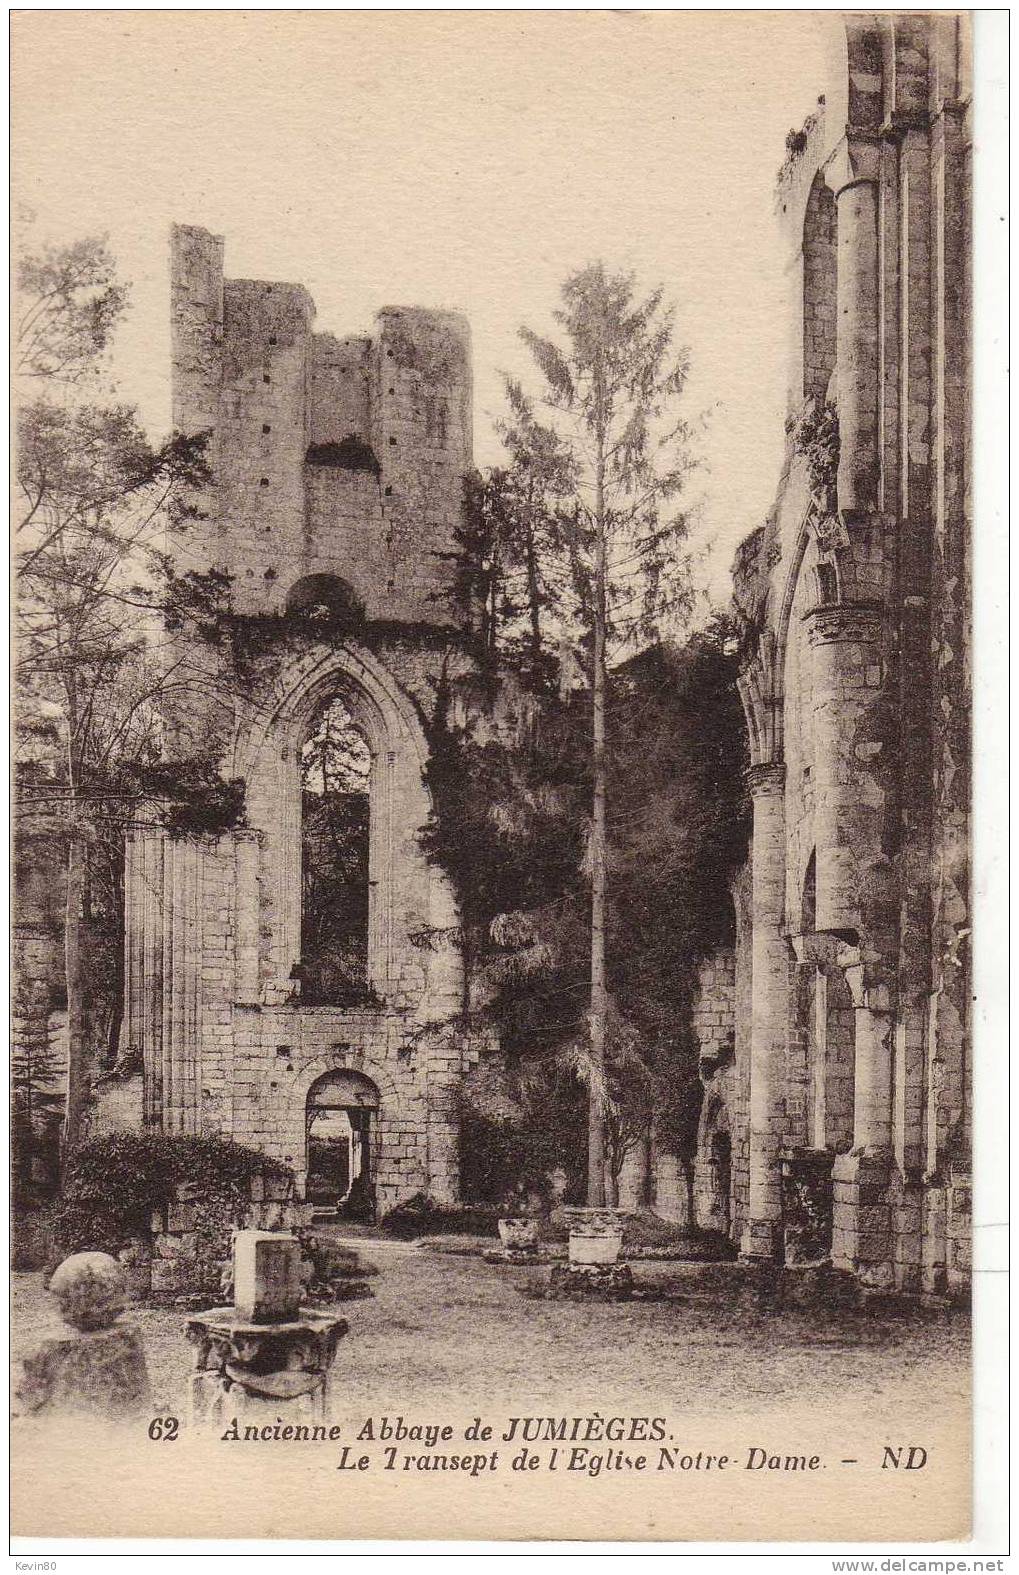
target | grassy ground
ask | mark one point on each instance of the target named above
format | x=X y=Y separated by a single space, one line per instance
x=440 y=1326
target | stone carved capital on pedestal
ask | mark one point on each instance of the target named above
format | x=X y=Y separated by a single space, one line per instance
x=767 y=777
x=857 y=623
x=855 y=161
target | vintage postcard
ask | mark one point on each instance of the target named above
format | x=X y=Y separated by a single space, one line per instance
x=491 y=1035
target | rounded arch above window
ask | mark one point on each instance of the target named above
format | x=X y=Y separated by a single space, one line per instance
x=327 y=599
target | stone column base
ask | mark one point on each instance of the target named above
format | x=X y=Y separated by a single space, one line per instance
x=862 y=1238
x=762 y=1241
x=671 y=1194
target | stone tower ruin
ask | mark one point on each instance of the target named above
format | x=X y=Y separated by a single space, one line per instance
x=337 y=469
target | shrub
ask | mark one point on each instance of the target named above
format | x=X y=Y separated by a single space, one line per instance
x=505 y=1163
x=113 y=1183
x=420 y=1215
x=817 y=439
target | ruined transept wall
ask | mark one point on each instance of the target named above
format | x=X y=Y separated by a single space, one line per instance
x=853 y=598
x=334 y=462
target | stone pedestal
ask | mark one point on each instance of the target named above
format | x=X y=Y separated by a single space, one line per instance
x=100 y=1371
x=267 y=1276
x=862 y=1235
x=244 y=1367
x=606 y=1282
x=519 y=1237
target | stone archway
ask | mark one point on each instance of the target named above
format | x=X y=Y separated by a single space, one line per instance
x=713 y=1167
x=341 y=1143
x=406 y=894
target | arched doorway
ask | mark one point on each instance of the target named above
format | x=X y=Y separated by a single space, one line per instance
x=713 y=1167
x=341 y=1127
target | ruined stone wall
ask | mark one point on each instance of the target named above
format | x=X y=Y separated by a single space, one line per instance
x=250 y=369
x=856 y=683
x=188 y=1247
x=332 y=460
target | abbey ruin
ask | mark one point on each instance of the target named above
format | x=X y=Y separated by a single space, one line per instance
x=833 y=1030
x=836 y=1113
x=214 y=940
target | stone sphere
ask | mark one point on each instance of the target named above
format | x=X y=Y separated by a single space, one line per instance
x=91 y=1289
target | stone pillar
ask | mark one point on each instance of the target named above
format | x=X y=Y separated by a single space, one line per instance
x=862 y=1238
x=849 y=771
x=671 y=1193
x=633 y=1176
x=852 y=174
x=872 y=1105
x=770 y=967
x=182 y=938
x=246 y=916
x=163 y=908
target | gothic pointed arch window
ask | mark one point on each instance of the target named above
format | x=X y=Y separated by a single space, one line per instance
x=336 y=767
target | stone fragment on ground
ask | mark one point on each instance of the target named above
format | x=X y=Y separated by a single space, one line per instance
x=99 y=1365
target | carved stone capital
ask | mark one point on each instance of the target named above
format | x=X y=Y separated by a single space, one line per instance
x=766 y=778
x=845 y=623
x=819 y=947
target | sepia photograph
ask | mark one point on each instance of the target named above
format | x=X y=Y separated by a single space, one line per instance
x=492 y=1005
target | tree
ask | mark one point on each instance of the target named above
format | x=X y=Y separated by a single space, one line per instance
x=335 y=768
x=96 y=500
x=70 y=302
x=612 y=388
x=541 y=479
x=35 y=1100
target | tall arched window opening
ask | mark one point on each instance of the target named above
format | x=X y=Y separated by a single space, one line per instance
x=335 y=781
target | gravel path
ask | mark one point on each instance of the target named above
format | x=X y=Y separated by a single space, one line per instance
x=439 y=1327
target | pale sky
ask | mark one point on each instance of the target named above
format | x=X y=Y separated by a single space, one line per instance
x=468 y=160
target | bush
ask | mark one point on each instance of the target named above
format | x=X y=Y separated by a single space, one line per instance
x=420 y=1215
x=504 y=1163
x=113 y=1183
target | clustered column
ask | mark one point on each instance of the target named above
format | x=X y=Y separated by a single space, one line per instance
x=163 y=935
x=852 y=176
x=771 y=967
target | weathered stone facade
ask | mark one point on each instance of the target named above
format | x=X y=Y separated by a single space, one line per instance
x=854 y=598
x=337 y=471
